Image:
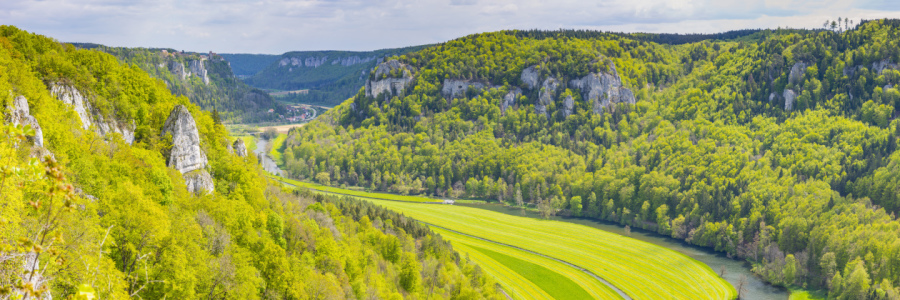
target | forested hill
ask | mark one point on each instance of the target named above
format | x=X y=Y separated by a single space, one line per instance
x=778 y=146
x=330 y=76
x=205 y=78
x=114 y=187
x=246 y=65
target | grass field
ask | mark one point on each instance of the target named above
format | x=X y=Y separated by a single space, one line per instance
x=642 y=270
x=334 y=190
x=249 y=141
x=808 y=295
x=528 y=276
x=275 y=152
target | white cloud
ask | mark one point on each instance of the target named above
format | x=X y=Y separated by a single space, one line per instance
x=276 y=26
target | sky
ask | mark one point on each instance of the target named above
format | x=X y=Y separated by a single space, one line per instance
x=278 y=26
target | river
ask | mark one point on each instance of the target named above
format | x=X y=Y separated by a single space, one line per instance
x=754 y=288
x=267 y=162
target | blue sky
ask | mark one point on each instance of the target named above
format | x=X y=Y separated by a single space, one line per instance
x=277 y=26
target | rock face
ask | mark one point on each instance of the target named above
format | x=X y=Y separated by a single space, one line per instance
x=72 y=97
x=797 y=71
x=352 y=60
x=178 y=70
x=548 y=91
x=530 y=76
x=509 y=100
x=386 y=80
x=20 y=114
x=239 y=148
x=789 y=96
x=568 y=106
x=454 y=88
x=186 y=155
x=881 y=65
x=602 y=90
x=197 y=68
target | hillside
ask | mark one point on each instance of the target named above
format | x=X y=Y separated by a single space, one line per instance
x=330 y=76
x=774 y=146
x=206 y=79
x=112 y=187
x=246 y=65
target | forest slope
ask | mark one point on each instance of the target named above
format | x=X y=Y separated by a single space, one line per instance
x=776 y=146
x=111 y=185
x=330 y=76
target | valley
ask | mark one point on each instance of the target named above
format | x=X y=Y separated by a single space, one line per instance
x=514 y=164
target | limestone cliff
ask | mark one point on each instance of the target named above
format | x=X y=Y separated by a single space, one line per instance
x=568 y=106
x=90 y=118
x=391 y=77
x=530 y=76
x=509 y=100
x=455 y=88
x=546 y=97
x=20 y=114
x=178 y=70
x=797 y=71
x=603 y=90
x=789 y=96
x=239 y=148
x=186 y=155
x=199 y=69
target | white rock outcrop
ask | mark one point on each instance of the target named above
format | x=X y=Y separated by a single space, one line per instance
x=198 y=68
x=69 y=95
x=531 y=77
x=178 y=70
x=186 y=155
x=789 y=96
x=879 y=66
x=509 y=100
x=239 y=148
x=546 y=97
x=387 y=80
x=797 y=71
x=568 y=106
x=20 y=114
x=455 y=88
x=602 y=90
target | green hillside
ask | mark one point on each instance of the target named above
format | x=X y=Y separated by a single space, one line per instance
x=774 y=146
x=235 y=101
x=83 y=211
x=246 y=65
x=330 y=76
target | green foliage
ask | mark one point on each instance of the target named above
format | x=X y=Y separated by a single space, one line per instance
x=708 y=154
x=232 y=99
x=102 y=215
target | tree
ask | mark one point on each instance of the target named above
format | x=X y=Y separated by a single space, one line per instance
x=575 y=205
x=790 y=269
x=519 y=201
x=323 y=178
x=828 y=266
x=409 y=272
x=856 y=285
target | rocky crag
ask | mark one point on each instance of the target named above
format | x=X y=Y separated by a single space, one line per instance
x=186 y=155
x=239 y=148
x=20 y=114
x=90 y=118
x=391 y=78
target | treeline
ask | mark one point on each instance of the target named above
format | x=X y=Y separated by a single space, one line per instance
x=659 y=38
x=779 y=148
x=100 y=216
